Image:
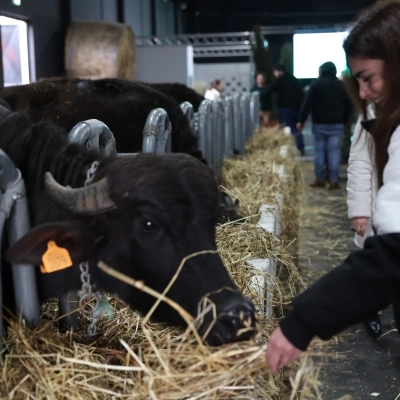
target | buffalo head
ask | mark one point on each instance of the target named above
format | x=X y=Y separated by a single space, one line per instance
x=230 y=211
x=142 y=216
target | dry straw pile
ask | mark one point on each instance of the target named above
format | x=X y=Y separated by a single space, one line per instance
x=132 y=358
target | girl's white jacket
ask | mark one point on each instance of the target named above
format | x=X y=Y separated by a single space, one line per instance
x=364 y=199
x=386 y=218
x=361 y=178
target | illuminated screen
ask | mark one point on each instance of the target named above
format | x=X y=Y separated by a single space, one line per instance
x=310 y=50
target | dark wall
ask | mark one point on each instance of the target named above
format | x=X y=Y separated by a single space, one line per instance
x=208 y=16
x=94 y=10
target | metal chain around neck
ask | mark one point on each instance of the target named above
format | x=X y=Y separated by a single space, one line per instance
x=85 y=276
x=91 y=172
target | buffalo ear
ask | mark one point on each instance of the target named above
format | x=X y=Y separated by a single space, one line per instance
x=79 y=240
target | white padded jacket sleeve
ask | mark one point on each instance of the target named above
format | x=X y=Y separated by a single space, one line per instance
x=386 y=218
x=359 y=175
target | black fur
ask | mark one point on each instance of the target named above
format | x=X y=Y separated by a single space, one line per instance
x=122 y=105
x=179 y=92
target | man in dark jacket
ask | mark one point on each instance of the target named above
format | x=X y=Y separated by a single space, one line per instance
x=289 y=98
x=330 y=109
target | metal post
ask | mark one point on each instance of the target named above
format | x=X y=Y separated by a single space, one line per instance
x=217 y=134
x=157 y=132
x=250 y=126
x=228 y=127
x=237 y=124
x=244 y=124
x=245 y=112
x=255 y=110
x=95 y=134
x=66 y=305
x=205 y=128
x=14 y=205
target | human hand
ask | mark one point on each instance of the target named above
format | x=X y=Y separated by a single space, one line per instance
x=359 y=224
x=280 y=351
x=299 y=126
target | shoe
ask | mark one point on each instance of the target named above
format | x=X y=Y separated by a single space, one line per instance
x=373 y=326
x=334 y=185
x=317 y=183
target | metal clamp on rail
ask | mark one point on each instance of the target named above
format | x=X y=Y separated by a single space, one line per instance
x=14 y=207
x=157 y=132
x=95 y=134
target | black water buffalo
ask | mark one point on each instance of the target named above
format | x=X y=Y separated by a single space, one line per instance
x=179 y=92
x=140 y=215
x=122 y=105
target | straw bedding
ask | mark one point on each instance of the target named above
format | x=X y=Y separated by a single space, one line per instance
x=134 y=358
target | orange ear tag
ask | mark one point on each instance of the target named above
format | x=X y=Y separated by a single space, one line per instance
x=55 y=258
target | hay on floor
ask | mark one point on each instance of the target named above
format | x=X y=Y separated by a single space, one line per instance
x=132 y=357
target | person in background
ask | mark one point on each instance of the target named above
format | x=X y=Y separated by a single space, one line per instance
x=265 y=101
x=215 y=90
x=289 y=98
x=330 y=109
x=369 y=279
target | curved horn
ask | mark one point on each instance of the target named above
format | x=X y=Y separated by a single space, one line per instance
x=89 y=200
x=228 y=203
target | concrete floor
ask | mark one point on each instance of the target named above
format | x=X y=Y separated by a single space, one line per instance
x=355 y=366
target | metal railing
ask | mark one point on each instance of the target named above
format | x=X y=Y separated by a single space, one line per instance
x=14 y=210
x=223 y=126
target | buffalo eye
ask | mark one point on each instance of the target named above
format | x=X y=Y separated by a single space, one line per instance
x=149 y=227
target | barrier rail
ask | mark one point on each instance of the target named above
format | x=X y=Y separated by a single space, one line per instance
x=14 y=209
x=94 y=134
x=157 y=132
x=187 y=109
x=205 y=128
x=223 y=125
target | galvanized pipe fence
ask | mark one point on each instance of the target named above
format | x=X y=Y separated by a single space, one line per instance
x=223 y=126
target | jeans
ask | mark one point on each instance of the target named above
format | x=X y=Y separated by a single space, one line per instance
x=327 y=143
x=290 y=117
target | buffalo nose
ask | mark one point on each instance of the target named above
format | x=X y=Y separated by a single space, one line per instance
x=240 y=320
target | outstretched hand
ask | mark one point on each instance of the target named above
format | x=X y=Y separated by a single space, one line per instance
x=280 y=351
x=359 y=224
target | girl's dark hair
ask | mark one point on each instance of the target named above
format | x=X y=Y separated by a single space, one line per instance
x=376 y=35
